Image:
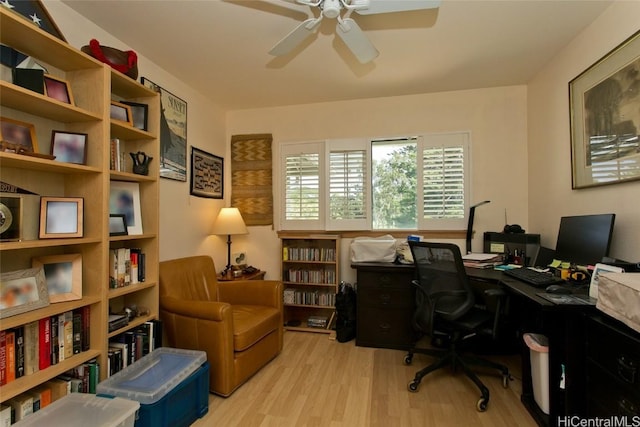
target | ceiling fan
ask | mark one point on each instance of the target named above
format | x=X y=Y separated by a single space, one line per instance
x=347 y=28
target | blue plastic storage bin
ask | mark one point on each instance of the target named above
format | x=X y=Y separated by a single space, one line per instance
x=172 y=386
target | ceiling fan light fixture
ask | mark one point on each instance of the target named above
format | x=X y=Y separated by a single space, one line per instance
x=331 y=8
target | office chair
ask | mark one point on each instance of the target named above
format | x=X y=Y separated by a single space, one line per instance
x=445 y=311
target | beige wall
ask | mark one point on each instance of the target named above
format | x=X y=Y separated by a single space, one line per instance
x=495 y=117
x=550 y=193
x=185 y=221
x=531 y=182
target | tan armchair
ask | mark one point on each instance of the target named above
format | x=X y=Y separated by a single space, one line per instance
x=238 y=324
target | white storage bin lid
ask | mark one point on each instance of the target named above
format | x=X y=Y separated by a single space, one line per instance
x=154 y=375
x=81 y=410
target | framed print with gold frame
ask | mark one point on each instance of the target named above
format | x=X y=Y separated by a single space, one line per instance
x=605 y=119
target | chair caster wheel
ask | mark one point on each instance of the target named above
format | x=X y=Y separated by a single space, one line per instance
x=413 y=386
x=481 y=406
x=408 y=359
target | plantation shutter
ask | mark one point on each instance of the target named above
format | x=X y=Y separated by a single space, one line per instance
x=444 y=180
x=302 y=187
x=348 y=185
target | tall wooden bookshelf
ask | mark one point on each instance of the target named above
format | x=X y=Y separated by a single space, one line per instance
x=310 y=274
x=93 y=85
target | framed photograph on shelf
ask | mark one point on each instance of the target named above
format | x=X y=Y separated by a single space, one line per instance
x=19 y=135
x=139 y=114
x=207 y=174
x=605 y=119
x=117 y=225
x=173 y=133
x=22 y=291
x=10 y=218
x=124 y=199
x=63 y=275
x=69 y=147
x=121 y=112
x=57 y=88
x=61 y=217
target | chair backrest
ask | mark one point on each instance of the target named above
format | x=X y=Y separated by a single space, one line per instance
x=190 y=278
x=443 y=288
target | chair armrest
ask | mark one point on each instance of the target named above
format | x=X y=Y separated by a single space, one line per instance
x=495 y=293
x=251 y=292
x=206 y=310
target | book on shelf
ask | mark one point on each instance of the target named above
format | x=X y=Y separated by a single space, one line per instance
x=61 y=351
x=22 y=406
x=59 y=388
x=31 y=348
x=5 y=415
x=77 y=331
x=126 y=267
x=19 y=331
x=68 y=334
x=44 y=346
x=3 y=357
x=55 y=342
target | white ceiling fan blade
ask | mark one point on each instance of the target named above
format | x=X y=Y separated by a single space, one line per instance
x=355 y=40
x=386 y=6
x=295 y=37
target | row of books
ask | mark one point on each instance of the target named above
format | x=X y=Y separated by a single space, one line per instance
x=81 y=379
x=116 y=155
x=37 y=345
x=301 y=275
x=305 y=297
x=126 y=267
x=309 y=254
x=129 y=346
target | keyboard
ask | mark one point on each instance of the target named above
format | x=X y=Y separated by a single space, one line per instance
x=538 y=279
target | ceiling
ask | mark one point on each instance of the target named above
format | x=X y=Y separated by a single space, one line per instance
x=220 y=47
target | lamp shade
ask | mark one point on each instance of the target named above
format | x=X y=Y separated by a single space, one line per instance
x=229 y=221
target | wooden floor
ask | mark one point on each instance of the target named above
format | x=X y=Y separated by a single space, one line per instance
x=316 y=381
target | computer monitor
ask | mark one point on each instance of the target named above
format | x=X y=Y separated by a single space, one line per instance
x=585 y=239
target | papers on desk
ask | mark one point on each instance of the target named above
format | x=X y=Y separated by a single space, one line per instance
x=480 y=260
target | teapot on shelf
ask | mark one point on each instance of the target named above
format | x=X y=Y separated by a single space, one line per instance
x=141 y=163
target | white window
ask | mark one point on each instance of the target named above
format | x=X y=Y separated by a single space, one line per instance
x=404 y=183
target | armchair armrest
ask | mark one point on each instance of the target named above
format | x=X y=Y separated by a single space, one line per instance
x=251 y=292
x=205 y=310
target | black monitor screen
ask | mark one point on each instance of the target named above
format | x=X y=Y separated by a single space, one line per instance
x=584 y=240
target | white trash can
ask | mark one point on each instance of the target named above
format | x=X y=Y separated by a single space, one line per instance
x=539 y=351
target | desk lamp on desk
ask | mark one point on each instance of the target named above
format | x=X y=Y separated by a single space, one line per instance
x=472 y=211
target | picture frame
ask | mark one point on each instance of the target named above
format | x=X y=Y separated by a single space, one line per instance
x=605 y=119
x=173 y=133
x=124 y=199
x=58 y=89
x=139 y=114
x=121 y=112
x=207 y=174
x=61 y=217
x=69 y=147
x=117 y=225
x=21 y=136
x=22 y=291
x=63 y=276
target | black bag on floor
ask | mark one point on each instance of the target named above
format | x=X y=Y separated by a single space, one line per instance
x=346 y=313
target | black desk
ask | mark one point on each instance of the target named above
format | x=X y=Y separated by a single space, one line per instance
x=385 y=305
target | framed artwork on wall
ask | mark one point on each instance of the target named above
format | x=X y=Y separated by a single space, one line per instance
x=173 y=133
x=605 y=118
x=207 y=174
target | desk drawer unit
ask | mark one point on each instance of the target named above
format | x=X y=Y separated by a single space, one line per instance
x=384 y=308
x=613 y=368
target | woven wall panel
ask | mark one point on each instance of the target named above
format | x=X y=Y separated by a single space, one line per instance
x=251 y=178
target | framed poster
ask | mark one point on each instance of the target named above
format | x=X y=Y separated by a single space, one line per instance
x=206 y=174
x=605 y=119
x=173 y=133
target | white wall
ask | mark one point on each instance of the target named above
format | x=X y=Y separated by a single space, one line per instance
x=495 y=117
x=550 y=193
x=185 y=220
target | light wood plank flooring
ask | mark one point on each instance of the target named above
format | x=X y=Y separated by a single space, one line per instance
x=316 y=381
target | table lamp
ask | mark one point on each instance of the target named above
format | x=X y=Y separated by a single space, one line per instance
x=229 y=221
